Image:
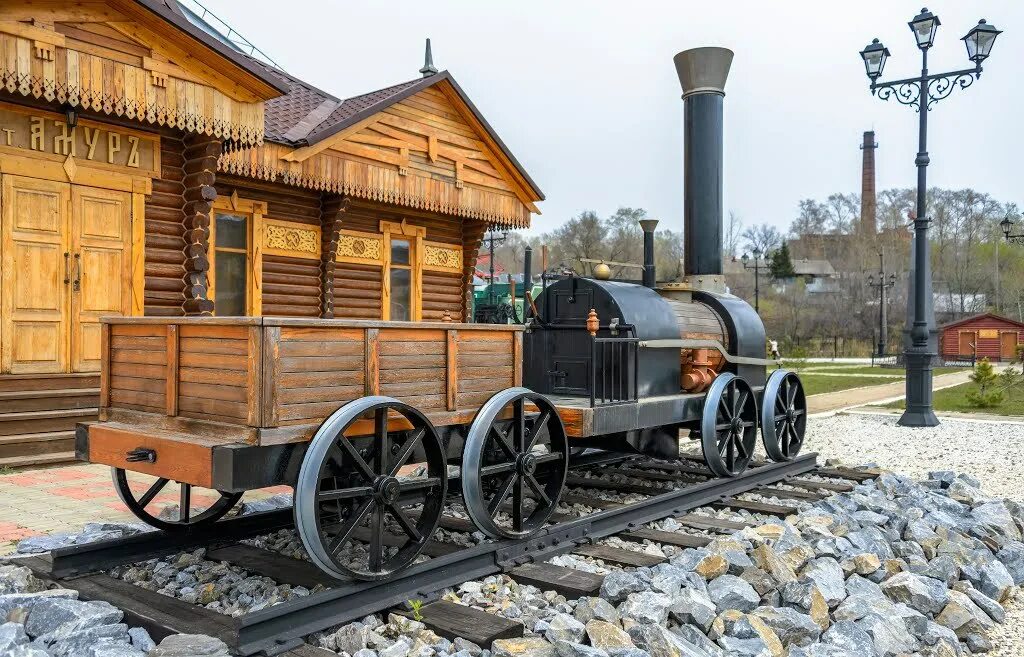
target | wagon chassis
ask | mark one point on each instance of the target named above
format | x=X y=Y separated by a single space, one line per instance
x=280 y=628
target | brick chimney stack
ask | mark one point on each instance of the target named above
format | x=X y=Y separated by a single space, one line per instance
x=868 y=200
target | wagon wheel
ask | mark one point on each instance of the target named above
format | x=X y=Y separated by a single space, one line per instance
x=514 y=456
x=783 y=415
x=728 y=428
x=138 y=503
x=357 y=513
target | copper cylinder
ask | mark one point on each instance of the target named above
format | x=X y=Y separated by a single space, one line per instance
x=698 y=321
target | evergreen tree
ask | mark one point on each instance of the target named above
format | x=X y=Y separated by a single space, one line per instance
x=986 y=395
x=781 y=265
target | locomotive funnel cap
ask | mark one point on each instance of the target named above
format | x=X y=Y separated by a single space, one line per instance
x=703 y=70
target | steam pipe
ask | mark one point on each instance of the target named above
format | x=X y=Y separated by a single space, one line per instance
x=648 y=226
x=702 y=73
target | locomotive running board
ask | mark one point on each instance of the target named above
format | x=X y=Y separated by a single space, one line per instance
x=280 y=628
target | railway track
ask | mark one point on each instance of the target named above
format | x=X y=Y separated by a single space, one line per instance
x=280 y=629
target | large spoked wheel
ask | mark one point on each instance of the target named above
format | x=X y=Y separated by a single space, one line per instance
x=140 y=493
x=728 y=428
x=783 y=415
x=514 y=464
x=362 y=507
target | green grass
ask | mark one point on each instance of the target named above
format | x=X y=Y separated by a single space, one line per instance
x=816 y=384
x=867 y=370
x=955 y=400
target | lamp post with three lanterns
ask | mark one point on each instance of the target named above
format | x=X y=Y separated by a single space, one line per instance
x=921 y=93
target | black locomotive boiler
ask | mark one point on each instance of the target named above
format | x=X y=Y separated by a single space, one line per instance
x=629 y=365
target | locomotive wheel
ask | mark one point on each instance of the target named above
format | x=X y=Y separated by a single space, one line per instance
x=500 y=463
x=350 y=484
x=186 y=520
x=783 y=415
x=728 y=428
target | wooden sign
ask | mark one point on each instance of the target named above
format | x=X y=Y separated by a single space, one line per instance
x=88 y=143
x=988 y=334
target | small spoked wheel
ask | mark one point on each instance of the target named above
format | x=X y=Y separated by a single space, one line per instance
x=197 y=507
x=783 y=415
x=728 y=428
x=514 y=464
x=370 y=489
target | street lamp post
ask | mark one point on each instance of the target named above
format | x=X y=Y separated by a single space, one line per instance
x=1007 y=224
x=493 y=239
x=883 y=284
x=921 y=93
x=757 y=276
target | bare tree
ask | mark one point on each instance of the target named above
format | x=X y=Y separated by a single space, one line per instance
x=733 y=233
x=763 y=237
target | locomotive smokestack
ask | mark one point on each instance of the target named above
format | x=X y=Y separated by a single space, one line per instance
x=648 y=226
x=702 y=74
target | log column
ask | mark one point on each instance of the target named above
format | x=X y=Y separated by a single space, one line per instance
x=472 y=238
x=331 y=215
x=201 y=153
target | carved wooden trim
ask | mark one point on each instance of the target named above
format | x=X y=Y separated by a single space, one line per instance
x=331 y=215
x=359 y=247
x=291 y=239
x=442 y=257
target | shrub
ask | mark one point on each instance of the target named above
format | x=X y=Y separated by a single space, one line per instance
x=986 y=395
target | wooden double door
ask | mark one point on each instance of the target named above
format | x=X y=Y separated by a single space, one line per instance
x=66 y=254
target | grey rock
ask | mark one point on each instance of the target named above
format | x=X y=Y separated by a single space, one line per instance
x=889 y=635
x=731 y=592
x=349 y=638
x=588 y=609
x=19 y=579
x=759 y=579
x=618 y=584
x=995 y=581
x=49 y=614
x=924 y=594
x=69 y=640
x=116 y=649
x=978 y=642
x=397 y=649
x=607 y=636
x=628 y=652
x=1012 y=556
x=646 y=607
x=822 y=650
x=828 y=575
x=45 y=543
x=525 y=647
x=698 y=639
x=857 y=585
x=466 y=645
x=11 y=635
x=27 y=601
x=856 y=607
x=27 y=651
x=850 y=637
x=659 y=642
x=944 y=568
x=691 y=606
x=367 y=652
x=994 y=610
x=792 y=627
x=569 y=649
x=754 y=647
x=996 y=516
x=190 y=645
x=934 y=634
x=141 y=639
x=563 y=627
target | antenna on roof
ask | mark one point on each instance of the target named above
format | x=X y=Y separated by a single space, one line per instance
x=428 y=63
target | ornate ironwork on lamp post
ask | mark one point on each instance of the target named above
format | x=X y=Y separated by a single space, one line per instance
x=883 y=284
x=491 y=240
x=1007 y=224
x=921 y=93
x=757 y=276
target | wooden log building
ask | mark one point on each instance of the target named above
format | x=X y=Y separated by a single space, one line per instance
x=148 y=167
x=982 y=336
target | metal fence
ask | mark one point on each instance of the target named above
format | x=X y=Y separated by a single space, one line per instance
x=613 y=370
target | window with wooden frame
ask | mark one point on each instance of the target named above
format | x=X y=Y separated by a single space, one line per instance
x=236 y=262
x=403 y=271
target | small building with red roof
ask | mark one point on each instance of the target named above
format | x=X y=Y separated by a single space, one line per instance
x=982 y=336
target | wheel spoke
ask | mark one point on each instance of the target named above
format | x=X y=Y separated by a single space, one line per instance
x=741 y=449
x=502 y=439
x=742 y=402
x=409 y=485
x=185 y=503
x=784 y=440
x=347 y=529
x=491 y=470
x=410 y=444
x=723 y=442
x=538 y=489
x=730 y=453
x=517 y=505
x=722 y=426
x=798 y=412
x=344 y=494
x=535 y=430
x=153 y=491
x=500 y=498
x=780 y=418
x=519 y=424
x=550 y=457
x=353 y=454
x=790 y=392
x=376 y=536
x=380 y=422
x=407 y=524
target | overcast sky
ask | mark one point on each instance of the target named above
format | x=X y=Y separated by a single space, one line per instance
x=586 y=97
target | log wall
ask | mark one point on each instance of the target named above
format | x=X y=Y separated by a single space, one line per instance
x=165 y=232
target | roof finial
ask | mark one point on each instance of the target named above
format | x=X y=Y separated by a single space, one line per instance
x=428 y=63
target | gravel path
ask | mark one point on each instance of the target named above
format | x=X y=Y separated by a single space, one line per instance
x=991 y=451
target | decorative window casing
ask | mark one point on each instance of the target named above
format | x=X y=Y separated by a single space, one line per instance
x=252 y=278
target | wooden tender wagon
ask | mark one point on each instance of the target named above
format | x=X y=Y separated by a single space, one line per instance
x=235 y=404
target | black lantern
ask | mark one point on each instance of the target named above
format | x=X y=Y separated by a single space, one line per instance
x=1006 y=224
x=924 y=27
x=979 y=41
x=874 y=56
x=70 y=116
x=745 y=258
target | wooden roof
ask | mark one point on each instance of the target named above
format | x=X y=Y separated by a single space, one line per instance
x=974 y=318
x=420 y=143
x=140 y=59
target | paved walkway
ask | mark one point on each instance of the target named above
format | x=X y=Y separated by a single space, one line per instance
x=833 y=401
x=34 y=502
